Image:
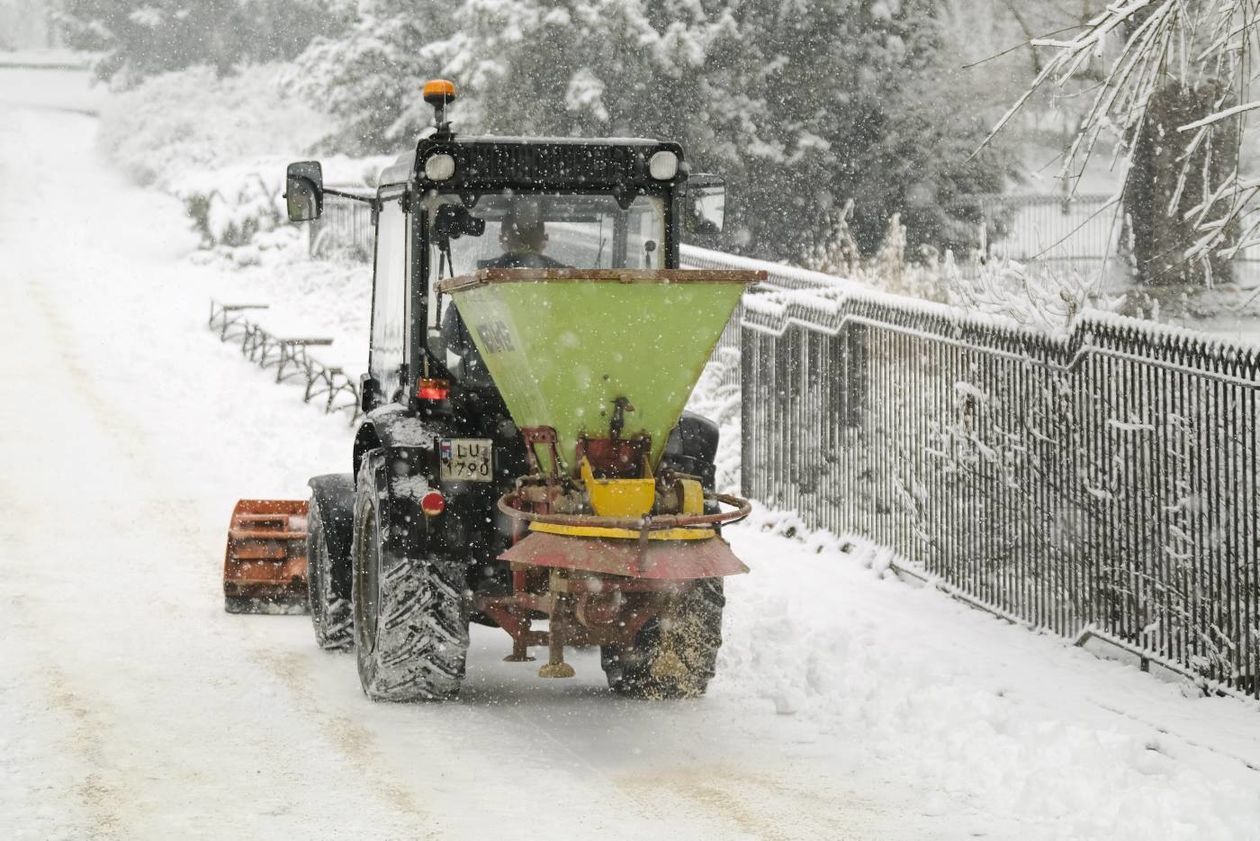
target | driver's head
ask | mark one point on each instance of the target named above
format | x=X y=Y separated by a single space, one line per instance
x=523 y=233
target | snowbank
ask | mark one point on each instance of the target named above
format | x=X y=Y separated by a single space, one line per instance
x=975 y=711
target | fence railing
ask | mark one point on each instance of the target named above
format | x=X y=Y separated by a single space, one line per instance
x=1050 y=227
x=1058 y=228
x=1101 y=481
x=344 y=226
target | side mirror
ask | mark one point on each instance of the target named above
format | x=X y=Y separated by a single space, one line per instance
x=304 y=191
x=705 y=205
x=369 y=393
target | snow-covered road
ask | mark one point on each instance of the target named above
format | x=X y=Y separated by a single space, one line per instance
x=847 y=705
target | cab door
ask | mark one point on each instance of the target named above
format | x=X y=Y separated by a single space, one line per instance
x=391 y=259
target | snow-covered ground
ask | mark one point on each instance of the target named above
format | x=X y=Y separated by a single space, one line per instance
x=848 y=705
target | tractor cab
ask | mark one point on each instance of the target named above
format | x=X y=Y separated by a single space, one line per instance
x=457 y=205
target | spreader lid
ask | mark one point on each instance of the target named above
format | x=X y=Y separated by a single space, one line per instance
x=486 y=276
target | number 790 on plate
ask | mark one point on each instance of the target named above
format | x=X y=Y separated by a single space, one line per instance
x=466 y=459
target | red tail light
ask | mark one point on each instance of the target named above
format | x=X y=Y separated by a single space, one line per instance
x=432 y=504
x=428 y=389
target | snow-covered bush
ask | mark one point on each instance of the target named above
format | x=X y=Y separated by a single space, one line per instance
x=1040 y=295
x=220 y=144
x=231 y=206
x=193 y=120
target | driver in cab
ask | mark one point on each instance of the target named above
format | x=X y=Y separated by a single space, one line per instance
x=523 y=236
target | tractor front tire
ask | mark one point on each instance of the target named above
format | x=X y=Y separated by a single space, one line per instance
x=675 y=654
x=330 y=612
x=410 y=614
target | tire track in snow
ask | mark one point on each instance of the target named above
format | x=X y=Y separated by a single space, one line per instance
x=353 y=740
x=84 y=726
x=109 y=416
x=99 y=792
x=96 y=731
x=525 y=724
x=714 y=797
x=81 y=725
x=724 y=791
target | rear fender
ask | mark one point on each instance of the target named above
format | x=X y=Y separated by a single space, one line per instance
x=409 y=470
x=333 y=495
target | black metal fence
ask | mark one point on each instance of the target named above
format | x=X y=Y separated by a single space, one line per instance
x=1101 y=482
x=344 y=227
x=1050 y=227
x=1058 y=229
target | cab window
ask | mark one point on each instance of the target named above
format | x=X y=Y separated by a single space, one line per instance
x=531 y=231
x=389 y=298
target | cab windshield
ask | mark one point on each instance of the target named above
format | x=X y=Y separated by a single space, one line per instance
x=530 y=231
x=545 y=231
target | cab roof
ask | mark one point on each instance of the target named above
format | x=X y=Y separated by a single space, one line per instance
x=510 y=148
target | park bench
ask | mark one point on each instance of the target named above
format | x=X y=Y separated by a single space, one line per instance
x=290 y=355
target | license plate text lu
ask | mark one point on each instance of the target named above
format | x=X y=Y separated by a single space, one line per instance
x=466 y=459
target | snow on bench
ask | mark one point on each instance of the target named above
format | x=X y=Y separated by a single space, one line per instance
x=289 y=355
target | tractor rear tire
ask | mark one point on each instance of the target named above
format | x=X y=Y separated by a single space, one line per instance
x=675 y=654
x=330 y=613
x=410 y=614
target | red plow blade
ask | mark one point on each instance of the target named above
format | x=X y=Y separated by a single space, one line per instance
x=264 y=567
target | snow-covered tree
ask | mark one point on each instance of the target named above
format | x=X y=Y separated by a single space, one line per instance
x=369 y=77
x=802 y=106
x=864 y=107
x=1174 y=92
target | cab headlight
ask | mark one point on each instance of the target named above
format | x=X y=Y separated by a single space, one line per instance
x=439 y=167
x=663 y=165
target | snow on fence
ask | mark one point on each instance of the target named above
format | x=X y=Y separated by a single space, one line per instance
x=1045 y=227
x=1049 y=227
x=1099 y=483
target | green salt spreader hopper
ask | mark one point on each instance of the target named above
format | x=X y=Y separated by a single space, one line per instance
x=563 y=345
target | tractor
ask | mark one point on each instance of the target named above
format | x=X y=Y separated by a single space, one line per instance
x=523 y=460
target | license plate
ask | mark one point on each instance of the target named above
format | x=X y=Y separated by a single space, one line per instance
x=466 y=460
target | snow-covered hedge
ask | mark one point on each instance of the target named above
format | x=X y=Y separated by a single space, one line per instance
x=241 y=206
x=192 y=121
x=221 y=146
